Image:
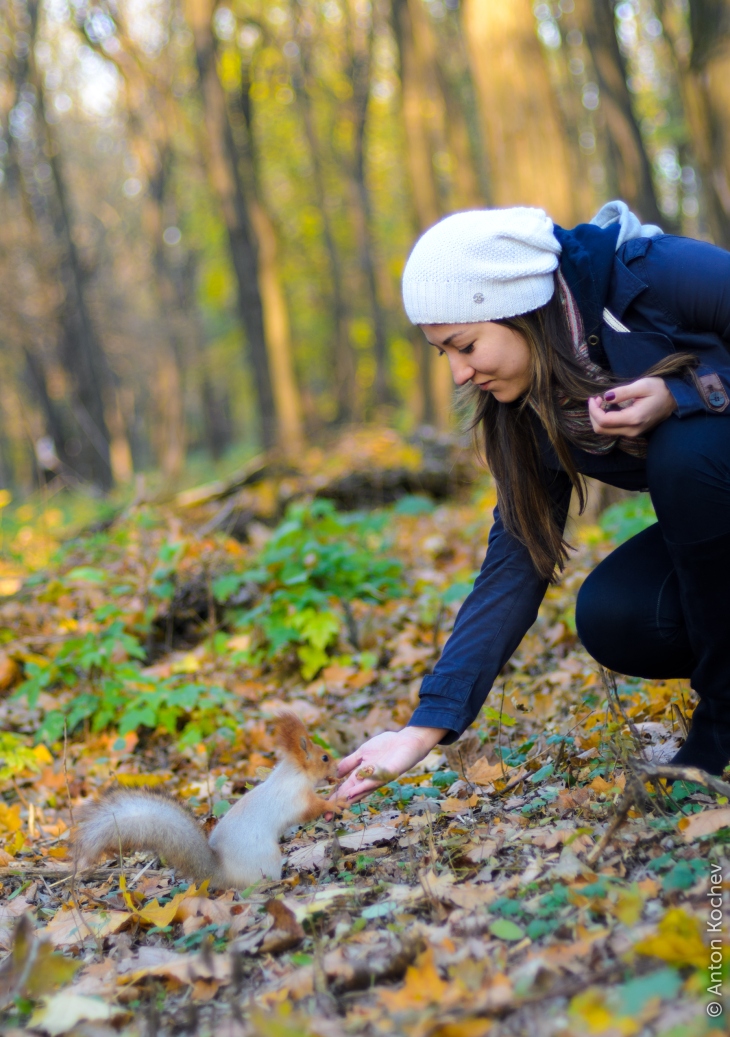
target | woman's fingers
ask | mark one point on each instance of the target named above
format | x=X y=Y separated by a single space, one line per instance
x=348 y=763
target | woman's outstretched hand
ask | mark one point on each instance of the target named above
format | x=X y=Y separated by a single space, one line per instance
x=647 y=402
x=382 y=758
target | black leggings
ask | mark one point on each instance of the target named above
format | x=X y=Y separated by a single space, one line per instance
x=659 y=606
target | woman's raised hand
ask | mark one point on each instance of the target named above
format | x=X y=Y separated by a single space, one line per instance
x=646 y=403
x=382 y=758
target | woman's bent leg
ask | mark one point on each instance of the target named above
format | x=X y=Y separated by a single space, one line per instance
x=688 y=469
x=628 y=613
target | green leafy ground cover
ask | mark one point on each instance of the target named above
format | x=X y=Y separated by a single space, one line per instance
x=485 y=892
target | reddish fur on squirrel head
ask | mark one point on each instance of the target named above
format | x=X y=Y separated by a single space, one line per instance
x=291 y=735
x=294 y=741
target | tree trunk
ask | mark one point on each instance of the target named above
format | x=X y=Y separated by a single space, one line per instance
x=704 y=75
x=278 y=334
x=360 y=45
x=422 y=97
x=222 y=160
x=526 y=145
x=631 y=162
x=344 y=361
x=80 y=350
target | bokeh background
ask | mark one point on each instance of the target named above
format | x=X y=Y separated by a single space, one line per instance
x=205 y=208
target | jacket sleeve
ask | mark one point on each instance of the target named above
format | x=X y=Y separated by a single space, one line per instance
x=691 y=282
x=489 y=626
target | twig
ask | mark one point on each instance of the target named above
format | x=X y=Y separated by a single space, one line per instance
x=65 y=774
x=672 y=772
x=609 y=682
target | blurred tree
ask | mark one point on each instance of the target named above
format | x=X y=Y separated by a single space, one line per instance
x=222 y=159
x=359 y=22
x=703 y=61
x=628 y=157
x=47 y=203
x=344 y=362
x=527 y=149
x=436 y=133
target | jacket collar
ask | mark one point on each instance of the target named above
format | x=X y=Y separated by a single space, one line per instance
x=586 y=261
x=597 y=275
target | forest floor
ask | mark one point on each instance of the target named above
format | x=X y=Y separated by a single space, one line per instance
x=529 y=879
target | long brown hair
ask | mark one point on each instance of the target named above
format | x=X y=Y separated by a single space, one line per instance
x=506 y=433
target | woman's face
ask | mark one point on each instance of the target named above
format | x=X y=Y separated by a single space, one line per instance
x=493 y=357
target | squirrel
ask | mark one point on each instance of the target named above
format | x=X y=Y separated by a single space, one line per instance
x=243 y=848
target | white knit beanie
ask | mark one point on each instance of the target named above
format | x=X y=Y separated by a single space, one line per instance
x=481 y=265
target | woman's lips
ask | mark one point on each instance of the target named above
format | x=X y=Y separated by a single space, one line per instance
x=484 y=386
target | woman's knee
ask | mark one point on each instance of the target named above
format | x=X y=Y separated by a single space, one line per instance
x=600 y=617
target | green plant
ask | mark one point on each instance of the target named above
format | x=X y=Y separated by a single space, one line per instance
x=317 y=563
x=627 y=518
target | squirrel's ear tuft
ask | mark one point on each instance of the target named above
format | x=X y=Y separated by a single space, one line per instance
x=291 y=734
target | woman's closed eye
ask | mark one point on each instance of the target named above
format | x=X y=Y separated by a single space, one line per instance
x=467 y=349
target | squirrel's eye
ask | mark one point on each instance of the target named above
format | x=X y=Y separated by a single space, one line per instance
x=325 y=758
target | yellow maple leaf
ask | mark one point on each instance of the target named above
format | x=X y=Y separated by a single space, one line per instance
x=423 y=986
x=10 y=817
x=628 y=905
x=158 y=914
x=677 y=941
x=590 y=1008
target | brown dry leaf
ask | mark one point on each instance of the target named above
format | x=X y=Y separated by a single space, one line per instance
x=482 y=852
x=452 y=805
x=196 y=912
x=484 y=773
x=9 y=915
x=309 y=858
x=369 y=836
x=422 y=987
x=704 y=823
x=186 y=968
x=286 y=931
x=463 y=1028
x=71 y=927
x=294 y=986
x=9 y=671
x=572 y=799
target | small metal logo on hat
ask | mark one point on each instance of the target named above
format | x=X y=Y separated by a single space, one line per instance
x=478 y=297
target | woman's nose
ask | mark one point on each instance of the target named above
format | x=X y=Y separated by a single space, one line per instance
x=461 y=370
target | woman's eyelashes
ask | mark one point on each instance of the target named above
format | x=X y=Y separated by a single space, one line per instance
x=467 y=349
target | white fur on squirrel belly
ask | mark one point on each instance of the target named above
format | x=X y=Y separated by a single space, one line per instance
x=243 y=847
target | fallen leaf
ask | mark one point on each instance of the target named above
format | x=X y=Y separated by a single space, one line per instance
x=705 y=823
x=482 y=852
x=65 y=1010
x=453 y=805
x=369 y=836
x=309 y=858
x=677 y=941
x=286 y=932
x=422 y=987
x=463 y=1028
x=67 y=928
x=484 y=773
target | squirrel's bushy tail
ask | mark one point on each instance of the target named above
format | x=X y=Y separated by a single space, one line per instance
x=142 y=819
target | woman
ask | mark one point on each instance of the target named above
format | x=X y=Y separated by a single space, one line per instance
x=600 y=351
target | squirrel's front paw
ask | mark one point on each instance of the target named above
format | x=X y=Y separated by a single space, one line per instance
x=339 y=804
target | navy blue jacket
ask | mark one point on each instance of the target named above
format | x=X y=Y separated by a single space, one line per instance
x=673 y=294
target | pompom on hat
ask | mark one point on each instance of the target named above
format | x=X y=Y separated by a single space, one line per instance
x=481 y=265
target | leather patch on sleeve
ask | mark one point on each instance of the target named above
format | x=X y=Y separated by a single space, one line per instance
x=712 y=391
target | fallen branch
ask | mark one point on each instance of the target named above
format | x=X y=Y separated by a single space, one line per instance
x=642 y=771
x=672 y=772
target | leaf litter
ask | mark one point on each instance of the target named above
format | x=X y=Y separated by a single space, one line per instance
x=538 y=876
